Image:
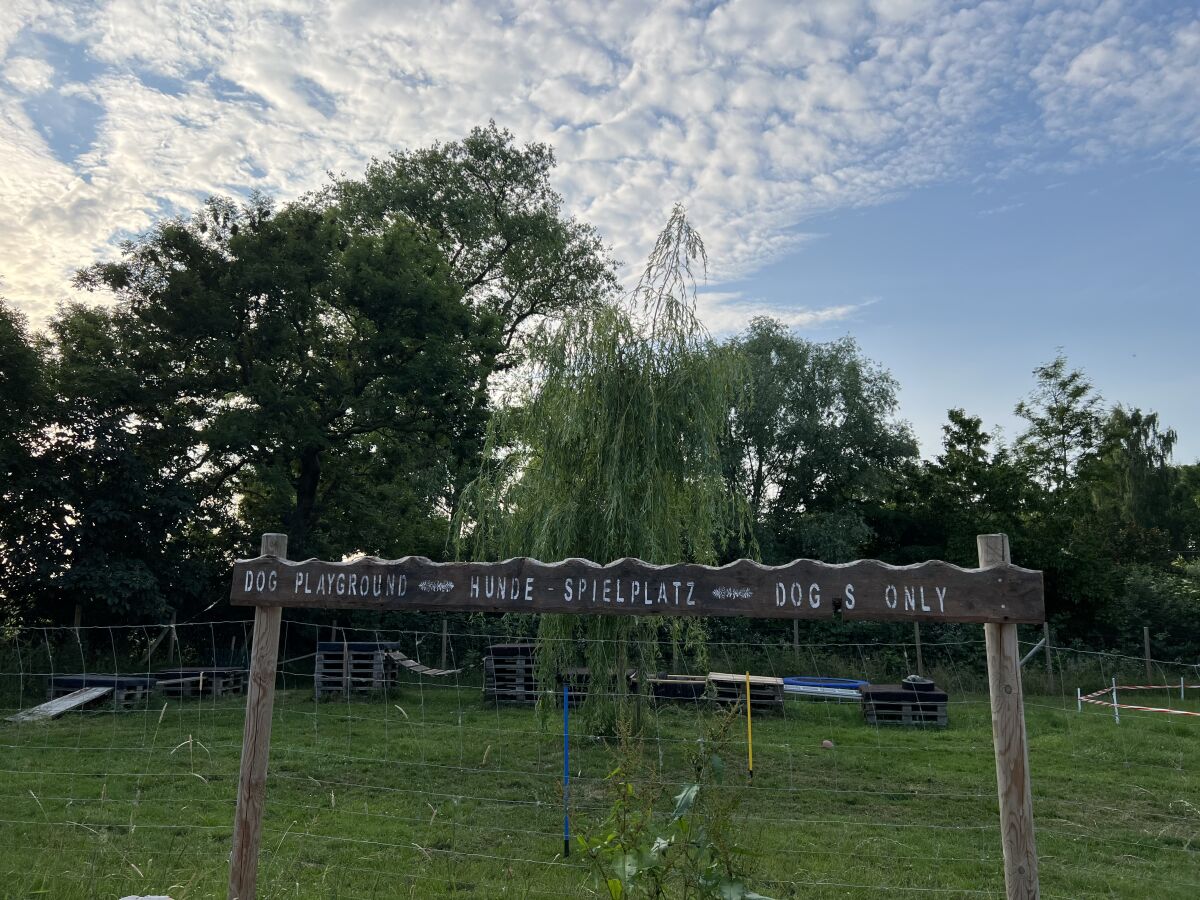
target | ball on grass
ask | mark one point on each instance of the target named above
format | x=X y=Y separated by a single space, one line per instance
x=828 y=745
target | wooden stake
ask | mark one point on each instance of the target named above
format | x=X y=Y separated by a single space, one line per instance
x=171 y=643
x=445 y=641
x=256 y=740
x=1146 y=641
x=917 y=640
x=1008 y=738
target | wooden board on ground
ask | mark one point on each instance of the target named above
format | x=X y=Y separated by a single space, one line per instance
x=52 y=709
x=804 y=589
x=126 y=689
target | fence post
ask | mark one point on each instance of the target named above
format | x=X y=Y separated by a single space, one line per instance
x=917 y=641
x=1008 y=738
x=256 y=740
x=1146 y=642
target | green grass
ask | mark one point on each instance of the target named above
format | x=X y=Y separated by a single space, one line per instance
x=427 y=793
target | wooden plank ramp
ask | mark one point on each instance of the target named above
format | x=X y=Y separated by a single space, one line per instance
x=52 y=709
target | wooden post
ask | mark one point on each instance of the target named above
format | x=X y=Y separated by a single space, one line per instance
x=917 y=641
x=78 y=619
x=171 y=643
x=796 y=638
x=1146 y=642
x=1049 y=664
x=1008 y=738
x=256 y=740
x=445 y=641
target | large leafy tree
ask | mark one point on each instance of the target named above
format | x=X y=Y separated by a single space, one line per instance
x=974 y=486
x=23 y=395
x=1065 y=415
x=613 y=450
x=488 y=203
x=302 y=352
x=812 y=441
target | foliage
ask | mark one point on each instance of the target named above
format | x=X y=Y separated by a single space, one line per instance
x=22 y=395
x=695 y=853
x=974 y=486
x=300 y=348
x=488 y=204
x=612 y=451
x=1064 y=415
x=812 y=443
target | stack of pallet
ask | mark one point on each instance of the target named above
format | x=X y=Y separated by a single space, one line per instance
x=766 y=693
x=677 y=688
x=917 y=702
x=353 y=667
x=508 y=674
x=201 y=681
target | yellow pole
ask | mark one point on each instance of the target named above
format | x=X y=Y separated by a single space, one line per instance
x=749 y=729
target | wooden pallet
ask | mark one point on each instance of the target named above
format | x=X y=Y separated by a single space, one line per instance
x=353 y=667
x=677 y=688
x=127 y=690
x=766 y=692
x=201 y=681
x=509 y=675
x=893 y=704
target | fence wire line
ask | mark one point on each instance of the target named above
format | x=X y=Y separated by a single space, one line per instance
x=436 y=737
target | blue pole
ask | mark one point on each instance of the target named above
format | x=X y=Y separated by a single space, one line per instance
x=566 y=775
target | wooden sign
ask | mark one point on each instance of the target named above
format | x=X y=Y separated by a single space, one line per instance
x=804 y=589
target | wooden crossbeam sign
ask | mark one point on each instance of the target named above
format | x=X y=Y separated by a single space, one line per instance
x=804 y=589
x=998 y=594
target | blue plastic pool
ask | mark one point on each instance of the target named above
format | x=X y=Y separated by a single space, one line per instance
x=854 y=684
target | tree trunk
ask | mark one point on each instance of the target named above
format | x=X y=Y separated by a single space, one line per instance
x=304 y=515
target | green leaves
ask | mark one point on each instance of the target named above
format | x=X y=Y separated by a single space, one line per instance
x=639 y=853
x=812 y=441
x=684 y=800
x=611 y=449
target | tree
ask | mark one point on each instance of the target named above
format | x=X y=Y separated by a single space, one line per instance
x=613 y=450
x=105 y=516
x=488 y=204
x=811 y=442
x=1064 y=416
x=297 y=348
x=22 y=395
x=1131 y=477
x=974 y=486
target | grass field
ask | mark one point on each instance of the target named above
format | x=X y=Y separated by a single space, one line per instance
x=428 y=793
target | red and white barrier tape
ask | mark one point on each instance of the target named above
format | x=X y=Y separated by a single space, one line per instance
x=1094 y=697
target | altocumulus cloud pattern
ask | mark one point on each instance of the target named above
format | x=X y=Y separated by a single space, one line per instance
x=757 y=114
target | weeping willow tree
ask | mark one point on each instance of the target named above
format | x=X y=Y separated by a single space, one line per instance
x=610 y=448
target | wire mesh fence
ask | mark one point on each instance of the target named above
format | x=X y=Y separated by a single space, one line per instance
x=430 y=785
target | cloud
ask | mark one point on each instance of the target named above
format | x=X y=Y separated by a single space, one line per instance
x=28 y=75
x=757 y=114
x=724 y=313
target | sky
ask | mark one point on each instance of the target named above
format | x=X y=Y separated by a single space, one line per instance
x=964 y=187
